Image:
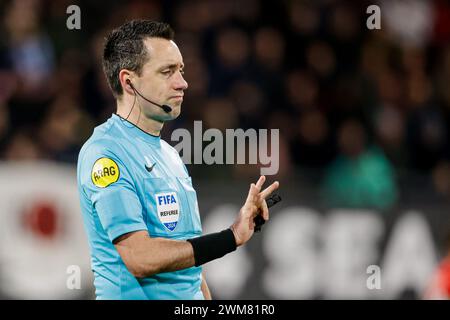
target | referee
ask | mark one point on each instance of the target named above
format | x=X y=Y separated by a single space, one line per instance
x=139 y=207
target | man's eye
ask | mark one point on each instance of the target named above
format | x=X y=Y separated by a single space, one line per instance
x=182 y=72
x=166 y=72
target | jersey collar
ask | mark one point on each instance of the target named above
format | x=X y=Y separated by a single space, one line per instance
x=135 y=131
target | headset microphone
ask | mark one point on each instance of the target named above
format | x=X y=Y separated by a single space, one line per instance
x=165 y=107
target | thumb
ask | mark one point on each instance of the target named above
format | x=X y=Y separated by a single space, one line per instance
x=252 y=194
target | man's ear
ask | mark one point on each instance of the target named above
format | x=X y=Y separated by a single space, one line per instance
x=125 y=75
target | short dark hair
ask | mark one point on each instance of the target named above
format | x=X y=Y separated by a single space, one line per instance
x=124 y=48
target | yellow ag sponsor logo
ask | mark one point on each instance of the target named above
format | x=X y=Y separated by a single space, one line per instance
x=104 y=172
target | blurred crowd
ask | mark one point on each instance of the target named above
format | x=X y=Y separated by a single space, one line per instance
x=360 y=106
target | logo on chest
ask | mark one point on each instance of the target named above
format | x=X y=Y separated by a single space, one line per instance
x=168 y=209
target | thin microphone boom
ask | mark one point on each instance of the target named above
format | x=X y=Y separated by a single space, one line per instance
x=165 y=107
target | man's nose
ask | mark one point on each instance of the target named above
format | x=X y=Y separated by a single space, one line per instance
x=180 y=83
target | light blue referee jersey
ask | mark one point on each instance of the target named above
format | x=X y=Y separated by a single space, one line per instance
x=129 y=180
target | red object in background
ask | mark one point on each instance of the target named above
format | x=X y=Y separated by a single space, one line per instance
x=42 y=219
x=441 y=22
x=440 y=285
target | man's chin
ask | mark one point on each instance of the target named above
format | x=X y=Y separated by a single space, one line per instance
x=174 y=115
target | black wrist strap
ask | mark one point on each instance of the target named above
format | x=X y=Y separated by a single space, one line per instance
x=212 y=246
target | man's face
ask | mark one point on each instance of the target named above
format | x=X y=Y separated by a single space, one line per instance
x=161 y=80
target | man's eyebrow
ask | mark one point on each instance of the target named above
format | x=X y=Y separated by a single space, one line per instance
x=172 y=66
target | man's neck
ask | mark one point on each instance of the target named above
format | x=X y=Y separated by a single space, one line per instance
x=138 y=118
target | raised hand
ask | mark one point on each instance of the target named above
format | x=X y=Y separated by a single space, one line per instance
x=243 y=227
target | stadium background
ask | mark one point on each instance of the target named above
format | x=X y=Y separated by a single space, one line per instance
x=364 y=119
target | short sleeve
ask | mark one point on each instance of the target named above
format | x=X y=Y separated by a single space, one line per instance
x=107 y=183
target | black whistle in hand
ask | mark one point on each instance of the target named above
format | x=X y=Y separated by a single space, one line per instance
x=259 y=220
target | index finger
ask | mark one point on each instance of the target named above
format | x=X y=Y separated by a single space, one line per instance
x=252 y=193
x=260 y=182
x=267 y=191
